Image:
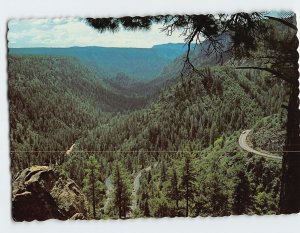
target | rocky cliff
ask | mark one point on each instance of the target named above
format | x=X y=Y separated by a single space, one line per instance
x=41 y=193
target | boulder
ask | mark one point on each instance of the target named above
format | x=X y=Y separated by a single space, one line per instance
x=41 y=193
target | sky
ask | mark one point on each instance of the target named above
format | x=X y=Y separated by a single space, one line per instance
x=68 y=32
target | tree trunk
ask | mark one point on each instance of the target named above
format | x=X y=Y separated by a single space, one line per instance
x=290 y=179
x=93 y=193
x=187 y=201
x=120 y=211
x=290 y=182
x=187 y=207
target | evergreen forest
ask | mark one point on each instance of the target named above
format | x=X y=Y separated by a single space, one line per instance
x=145 y=140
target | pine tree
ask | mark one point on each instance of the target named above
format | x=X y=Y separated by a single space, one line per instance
x=121 y=194
x=92 y=186
x=146 y=208
x=212 y=134
x=217 y=189
x=242 y=194
x=187 y=185
x=163 y=172
x=173 y=191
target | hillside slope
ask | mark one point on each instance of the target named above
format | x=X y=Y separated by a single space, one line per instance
x=197 y=109
x=137 y=63
x=55 y=100
x=192 y=125
x=197 y=119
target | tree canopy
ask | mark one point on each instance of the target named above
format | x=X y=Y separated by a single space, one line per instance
x=248 y=32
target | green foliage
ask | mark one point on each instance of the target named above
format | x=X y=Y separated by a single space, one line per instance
x=242 y=194
x=264 y=202
x=269 y=134
x=93 y=187
x=187 y=184
x=54 y=101
x=184 y=143
x=121 y=196
x=173 y=190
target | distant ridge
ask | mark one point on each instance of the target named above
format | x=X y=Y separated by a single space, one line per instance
x=137 y=63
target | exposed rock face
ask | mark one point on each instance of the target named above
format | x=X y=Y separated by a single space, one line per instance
x=40 y=193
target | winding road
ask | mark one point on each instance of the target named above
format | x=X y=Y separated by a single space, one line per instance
x=243 y=144
x=136 y=186
x=68 y=152
x=109 y=188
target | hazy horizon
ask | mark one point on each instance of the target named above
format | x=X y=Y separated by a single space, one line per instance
x=96 y=46
x=74 y=32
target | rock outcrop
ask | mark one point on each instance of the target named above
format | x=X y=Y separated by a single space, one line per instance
x=41 y=193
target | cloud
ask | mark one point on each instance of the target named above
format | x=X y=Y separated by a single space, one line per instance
x=67 y=32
